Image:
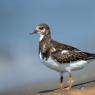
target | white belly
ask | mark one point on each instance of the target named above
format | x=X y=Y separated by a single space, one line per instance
x=53 y=64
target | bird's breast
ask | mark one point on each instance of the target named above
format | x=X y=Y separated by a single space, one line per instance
x=53 y=64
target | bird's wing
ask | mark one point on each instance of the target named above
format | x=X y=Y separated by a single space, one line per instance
x=70 y=56
x=60 y=46
x=65 y=54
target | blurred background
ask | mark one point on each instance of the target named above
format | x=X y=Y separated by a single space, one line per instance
x=71 y=21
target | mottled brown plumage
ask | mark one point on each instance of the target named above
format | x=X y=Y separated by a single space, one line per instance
x=71 y=56
x=45 y=46
x=60 y=46
x=49 y=47
x=60 y=57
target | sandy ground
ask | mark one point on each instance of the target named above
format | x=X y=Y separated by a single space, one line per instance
x=89 y=91
x=83 y=89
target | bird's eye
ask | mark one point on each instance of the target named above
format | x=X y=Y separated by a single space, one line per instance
x=41 y=28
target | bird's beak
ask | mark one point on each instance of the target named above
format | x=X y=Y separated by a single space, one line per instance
x=35 y=31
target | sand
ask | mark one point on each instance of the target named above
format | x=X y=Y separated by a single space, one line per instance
x=82 y=89
x=89 y=91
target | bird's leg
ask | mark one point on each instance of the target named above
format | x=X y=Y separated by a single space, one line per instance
x=61 y=88
x=70 y=81
x=61 y=82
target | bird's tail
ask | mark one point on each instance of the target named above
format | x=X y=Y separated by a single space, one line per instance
x=91 y=55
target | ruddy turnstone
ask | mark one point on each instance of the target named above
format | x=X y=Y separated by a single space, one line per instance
x=60 y=57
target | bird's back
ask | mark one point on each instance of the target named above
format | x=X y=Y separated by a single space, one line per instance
x=65 y=53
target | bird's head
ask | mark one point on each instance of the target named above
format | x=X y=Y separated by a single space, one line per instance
x=42 y=29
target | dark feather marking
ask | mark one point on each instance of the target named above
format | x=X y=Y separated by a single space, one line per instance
x=60 y=46
x=47 y=45
x=71 y=56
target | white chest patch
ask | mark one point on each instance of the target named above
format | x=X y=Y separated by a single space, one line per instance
x=41 y=37
x=64 y=51
x=40 y=56
x=53 y=64
x=50 y=63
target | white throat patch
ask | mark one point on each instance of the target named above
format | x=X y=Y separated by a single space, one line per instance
x=41 y=37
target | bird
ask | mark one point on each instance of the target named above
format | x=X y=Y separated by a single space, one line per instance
x=60 y=57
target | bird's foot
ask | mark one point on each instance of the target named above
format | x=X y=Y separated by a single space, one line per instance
x=60 y=91
x=70 y=82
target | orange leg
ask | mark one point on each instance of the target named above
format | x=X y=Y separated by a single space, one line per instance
x=61 y=88
x=61 y=83
x=70 y=82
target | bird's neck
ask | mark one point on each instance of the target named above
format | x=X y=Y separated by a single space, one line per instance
x=45 y=46
x=45 y=37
